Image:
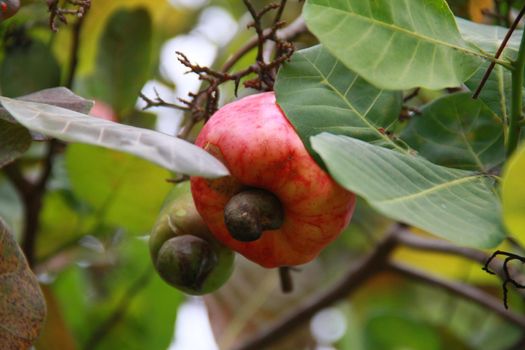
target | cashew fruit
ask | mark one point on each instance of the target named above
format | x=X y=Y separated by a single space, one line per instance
x=184 y=252
x=262 y=151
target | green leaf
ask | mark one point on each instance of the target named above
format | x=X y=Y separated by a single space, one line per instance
x=126 y=191
x=395 y=44
x=488 y=37
x=123 y=59
x=14 y=141
x=392 y=331
x=30 y=68
x=496 y=93
x=513 y=194
x=169 y=152
x=124 y=287
x=457 y=205
x=318 y=93
x=60 y=224
x=11 y=206
x=458 y=132
x=22 y=305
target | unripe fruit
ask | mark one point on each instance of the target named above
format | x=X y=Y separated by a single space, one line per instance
x=262 y=151
x=184 y=252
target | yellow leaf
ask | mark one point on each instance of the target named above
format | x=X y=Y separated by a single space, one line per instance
x=513 y=195
x=476 y=9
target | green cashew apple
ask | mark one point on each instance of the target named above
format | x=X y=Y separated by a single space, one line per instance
x=278 y=207
x=184 y=252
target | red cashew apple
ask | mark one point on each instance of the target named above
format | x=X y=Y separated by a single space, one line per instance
x=299 y=208
x=8 y=8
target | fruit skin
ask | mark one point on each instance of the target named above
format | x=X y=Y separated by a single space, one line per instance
x=184 y=252
x=261 y=149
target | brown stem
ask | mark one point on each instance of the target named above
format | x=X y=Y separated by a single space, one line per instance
x=75 y=46
x=32 y=195
x=251 y=212
x=286 y=279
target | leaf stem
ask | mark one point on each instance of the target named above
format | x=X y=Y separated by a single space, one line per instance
x=517 y=100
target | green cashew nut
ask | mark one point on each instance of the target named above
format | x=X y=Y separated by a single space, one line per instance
x=184 y=252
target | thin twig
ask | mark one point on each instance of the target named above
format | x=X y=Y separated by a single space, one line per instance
x=507 y=275
x=498 y=53
x=204 y=103
x=288 y=33
x=58 y=14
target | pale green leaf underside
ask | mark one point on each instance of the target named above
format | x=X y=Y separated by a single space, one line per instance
x=169 y=152
x=394 y=44
x=457 y=205
x=497 y=90
x=488 y=37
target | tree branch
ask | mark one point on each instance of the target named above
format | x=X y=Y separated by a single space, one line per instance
x=462 y=290
x=435 y=245
x=378 y=261
x=360 y=272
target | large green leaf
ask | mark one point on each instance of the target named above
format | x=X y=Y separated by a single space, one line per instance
x=28 y=68
x=57 y=96
x=395 y=44
x=123 y=60
x=459 y=132
x=513 y=194
x=124 y=191
x=14 y=141
x=318 y=93
x=458 y=205
x=169 y=152
x=391 y=331
x=497 y=91
x=22 y=305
